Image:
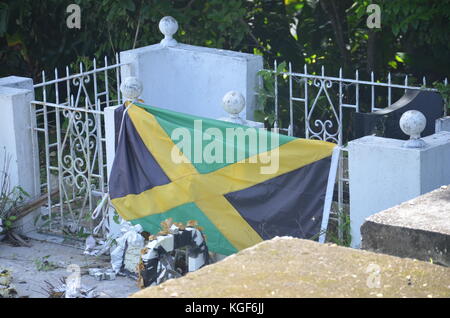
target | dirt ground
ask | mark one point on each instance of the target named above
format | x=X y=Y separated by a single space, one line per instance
x=29 y=281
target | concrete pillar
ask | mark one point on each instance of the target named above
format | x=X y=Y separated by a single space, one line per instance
x=383 y=173
x=18 y=138
x=110 y=133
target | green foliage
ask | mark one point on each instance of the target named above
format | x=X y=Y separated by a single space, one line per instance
x=82 y=234
x=334 y=33
x=444 y=90
x=420 y=30
x=116 y=218
x=266 y=92
x=343 y=236
x=331 y=33
x=413 y=39
x=34 y=35
x=340 y=234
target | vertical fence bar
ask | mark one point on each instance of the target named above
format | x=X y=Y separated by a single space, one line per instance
x=372 y=99
x=276 y=95
x=88 y=156
x=94 y=78
x=98 y=139
x=406 y=82
x=339 y=120
x=46 y=151
x=291 y=110
x=106 y=83
x=340 y=165
x=118 y=80
x=70 y=118
x=99 y=121
x=59 y=150
x=389 y=89
x=340 y=195
x=446 y=107
x=357 y=91
x=35 y=144
x=305 y=69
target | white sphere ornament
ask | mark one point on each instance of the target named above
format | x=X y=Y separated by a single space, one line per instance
x=131 y=88
x=168 y=26
x=413 y=123
x=233 y=103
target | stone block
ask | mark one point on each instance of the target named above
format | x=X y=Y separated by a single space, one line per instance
x=383 y=173
x=193 y=79
x=289 y=267
x=418 y=228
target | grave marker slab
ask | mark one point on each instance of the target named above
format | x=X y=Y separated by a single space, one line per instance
x=384 y=123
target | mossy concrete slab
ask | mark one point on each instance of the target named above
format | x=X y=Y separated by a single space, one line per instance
x=418 y=228
x=289 y=267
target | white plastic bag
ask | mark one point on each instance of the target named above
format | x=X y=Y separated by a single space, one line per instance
x=130 y=235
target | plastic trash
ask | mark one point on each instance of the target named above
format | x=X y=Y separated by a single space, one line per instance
x=130 y=237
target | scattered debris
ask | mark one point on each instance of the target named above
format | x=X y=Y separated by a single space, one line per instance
x=90 y=244
x=92 y=271
x=62 y=290
x=102 y=274
x=33 y=204
x=7 y=290
x=14 y=205
x=132 y=259
x=5 y=277
x=130 y=237
x=158 y=258
x=96 y=247
x=43 y=264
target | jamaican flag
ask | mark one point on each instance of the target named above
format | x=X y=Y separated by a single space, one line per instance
x=241 y=184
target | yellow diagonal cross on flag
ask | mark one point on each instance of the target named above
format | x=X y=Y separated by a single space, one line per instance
x=165 y=188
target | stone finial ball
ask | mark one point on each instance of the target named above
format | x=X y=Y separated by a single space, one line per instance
x=168 y=26
x=233 y=102
x=412 y=123
x=131 y=88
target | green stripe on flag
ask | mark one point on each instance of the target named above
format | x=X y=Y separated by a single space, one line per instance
x=205 y=132
x=215 y=240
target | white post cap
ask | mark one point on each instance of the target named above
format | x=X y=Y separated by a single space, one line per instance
x=413 y=123
x=168 y=26
x=233 y=103
x=131 y=88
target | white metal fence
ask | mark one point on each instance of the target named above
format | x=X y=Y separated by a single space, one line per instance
x=324 y=103
x=71 y=145
x=71 y=142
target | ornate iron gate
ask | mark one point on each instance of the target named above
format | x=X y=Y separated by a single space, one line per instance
x=71 y=146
